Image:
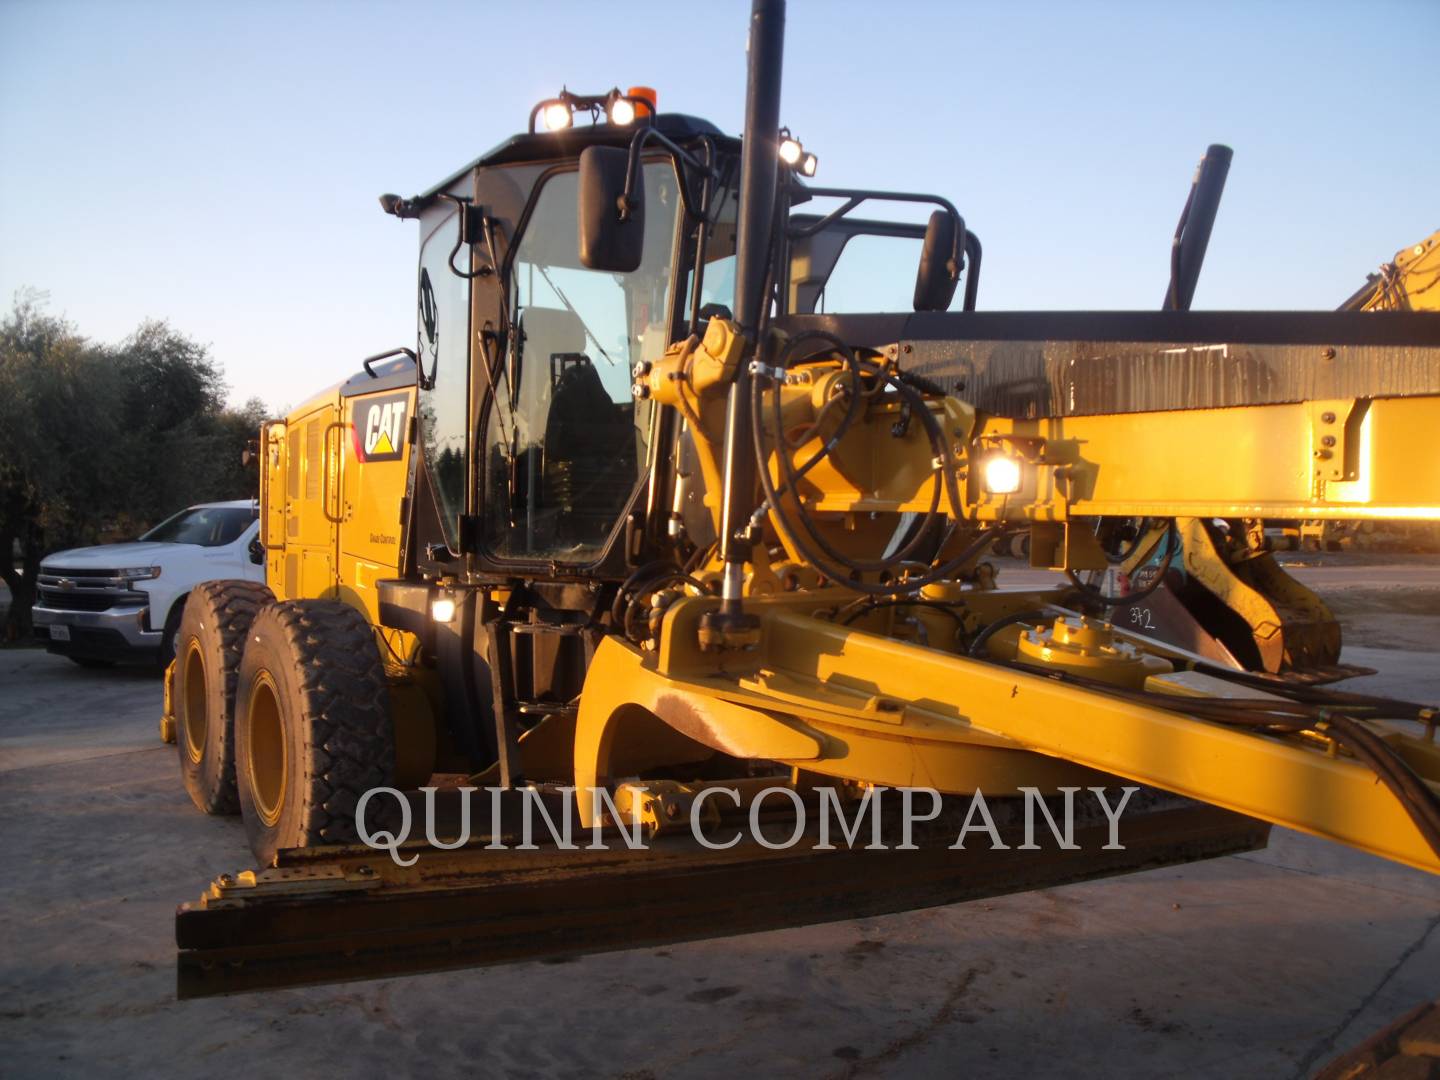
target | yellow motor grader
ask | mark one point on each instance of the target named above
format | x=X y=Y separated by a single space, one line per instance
x=643 y=533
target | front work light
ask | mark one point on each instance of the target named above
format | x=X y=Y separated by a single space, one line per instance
x=808 y=164
x=442 y=609
x=556 y=116
x=622 y=112
x=1002 y=475
x=790 y=150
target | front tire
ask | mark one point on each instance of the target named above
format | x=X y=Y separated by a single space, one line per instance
x=208 y=643
x=313 y=725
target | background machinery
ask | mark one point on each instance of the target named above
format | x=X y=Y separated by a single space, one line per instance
x=639 y=518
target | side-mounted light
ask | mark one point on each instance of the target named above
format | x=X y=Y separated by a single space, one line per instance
x=442 y=609
x=792 y=152
x=1002 y=474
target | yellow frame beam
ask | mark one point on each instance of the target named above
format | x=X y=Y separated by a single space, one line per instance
x=890 y=712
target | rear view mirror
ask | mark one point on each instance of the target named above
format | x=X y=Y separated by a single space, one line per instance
x=612 y=225
x=940 y=259
x=256 y=550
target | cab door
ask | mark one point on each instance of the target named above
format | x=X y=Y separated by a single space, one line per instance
x=311 y=498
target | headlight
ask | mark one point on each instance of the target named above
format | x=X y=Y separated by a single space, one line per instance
x=140 y=573
x=442 y=609
x=1002 y=475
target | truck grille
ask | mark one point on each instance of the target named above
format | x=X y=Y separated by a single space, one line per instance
x=84 y=590
x=61 y=601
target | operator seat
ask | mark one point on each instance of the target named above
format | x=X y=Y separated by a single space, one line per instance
x=589 y=455
x=546 y=336
x=547 y=333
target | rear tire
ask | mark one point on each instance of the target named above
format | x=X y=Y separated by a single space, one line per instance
x=313 y=725
x=208 y=643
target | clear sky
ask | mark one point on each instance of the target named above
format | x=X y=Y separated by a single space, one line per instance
x=217 y=164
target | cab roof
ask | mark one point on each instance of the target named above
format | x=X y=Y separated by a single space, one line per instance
x=549 y=145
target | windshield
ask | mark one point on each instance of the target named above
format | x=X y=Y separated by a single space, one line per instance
x=207 y=526
x=566 y=441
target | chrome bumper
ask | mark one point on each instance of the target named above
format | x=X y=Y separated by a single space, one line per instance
x=128 y=622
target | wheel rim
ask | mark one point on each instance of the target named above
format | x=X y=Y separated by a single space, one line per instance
x=196 y=697
x=265 y=749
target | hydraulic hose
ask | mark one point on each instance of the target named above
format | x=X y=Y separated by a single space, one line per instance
x=977 y=646
x=803 y=534
x=1171 y=540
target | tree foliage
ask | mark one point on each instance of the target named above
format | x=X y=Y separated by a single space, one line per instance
x=99 y=442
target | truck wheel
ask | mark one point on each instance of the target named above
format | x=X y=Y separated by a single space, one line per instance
x=313 y=725
x=208 y=642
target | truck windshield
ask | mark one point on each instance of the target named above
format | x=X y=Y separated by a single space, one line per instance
x=207 y=526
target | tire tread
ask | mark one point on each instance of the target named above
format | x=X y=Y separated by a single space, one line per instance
x=350 y=746
x=230 y=606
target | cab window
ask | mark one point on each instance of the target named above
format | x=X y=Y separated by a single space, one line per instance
x=443 y=314
x=565 y=441
x=874 y=273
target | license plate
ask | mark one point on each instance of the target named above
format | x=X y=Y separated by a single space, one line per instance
x=59 y=632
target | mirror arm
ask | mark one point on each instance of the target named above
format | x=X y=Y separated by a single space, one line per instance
x=805 y=231
x=679 y=153
x=972 y=274
x=466 y=234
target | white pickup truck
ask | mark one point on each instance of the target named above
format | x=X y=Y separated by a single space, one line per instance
x=98 y=605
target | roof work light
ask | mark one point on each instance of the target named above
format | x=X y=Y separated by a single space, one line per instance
x=556 y=116
x=614 y=107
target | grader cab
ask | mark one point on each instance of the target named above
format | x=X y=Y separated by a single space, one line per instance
x=644 y=533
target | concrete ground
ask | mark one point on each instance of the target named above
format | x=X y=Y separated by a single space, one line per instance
x=1257 y=965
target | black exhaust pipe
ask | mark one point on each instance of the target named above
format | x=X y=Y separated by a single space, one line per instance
x=1192 y=235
